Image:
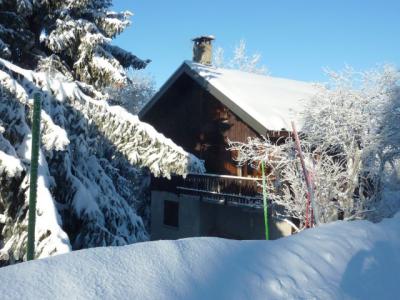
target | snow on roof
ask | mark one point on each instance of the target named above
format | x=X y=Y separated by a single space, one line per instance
x=272 y=102
x=342 y=260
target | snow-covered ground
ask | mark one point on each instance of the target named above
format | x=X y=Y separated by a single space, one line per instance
x=341 y=260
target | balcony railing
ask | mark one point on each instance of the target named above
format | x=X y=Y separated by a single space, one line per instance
x=219 y=189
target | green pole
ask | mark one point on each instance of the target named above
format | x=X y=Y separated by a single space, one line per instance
x=33 y=175
x=265 y=201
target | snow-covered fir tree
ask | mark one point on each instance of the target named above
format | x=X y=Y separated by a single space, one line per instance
x=79 y=32
x=89 y=188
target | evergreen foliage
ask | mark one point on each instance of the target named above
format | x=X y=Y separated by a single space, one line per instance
x=78 y=32
x=89 y=183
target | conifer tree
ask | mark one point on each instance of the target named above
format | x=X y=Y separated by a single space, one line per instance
x=77 y=32
x=89 y=183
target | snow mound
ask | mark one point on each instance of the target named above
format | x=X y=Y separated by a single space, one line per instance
x=341 y=260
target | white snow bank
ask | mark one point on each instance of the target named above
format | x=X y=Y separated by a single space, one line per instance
x=342 y=260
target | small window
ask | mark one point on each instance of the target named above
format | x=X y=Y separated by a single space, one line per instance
x=171 y=213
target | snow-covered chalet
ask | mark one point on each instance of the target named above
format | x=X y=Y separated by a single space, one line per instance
x=200 y=108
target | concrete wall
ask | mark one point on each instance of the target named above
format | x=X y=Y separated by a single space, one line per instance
x=199 y=218
x=189 y=216
x=239 y=223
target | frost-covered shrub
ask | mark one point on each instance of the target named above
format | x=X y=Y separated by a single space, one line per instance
x=134 y=95
x=240 y=60
x=351 y=144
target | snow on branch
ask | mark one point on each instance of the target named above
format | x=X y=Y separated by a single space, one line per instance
x=240 y=60
x=90 y=192
x=142 y=145
x=350 y=140
x=15 y=141
x=88 y=153
x=53 y=137
x=139 y=142
x=112 y=23
x=10 y=165
x=4 y=49
x=86 y=41
x=127 y=59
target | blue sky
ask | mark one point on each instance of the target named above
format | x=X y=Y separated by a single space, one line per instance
x=296 y=38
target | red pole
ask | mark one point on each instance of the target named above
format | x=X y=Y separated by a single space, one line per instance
x=307 y=209
x=306 y=175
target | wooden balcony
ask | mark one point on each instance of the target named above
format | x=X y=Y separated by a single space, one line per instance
x=218 y=189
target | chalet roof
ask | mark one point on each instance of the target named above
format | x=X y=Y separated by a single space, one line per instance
x=263 y=102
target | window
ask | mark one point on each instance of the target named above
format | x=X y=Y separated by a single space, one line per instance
x=171 y=213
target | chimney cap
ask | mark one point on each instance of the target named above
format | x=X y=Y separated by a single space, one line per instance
x=204 y=38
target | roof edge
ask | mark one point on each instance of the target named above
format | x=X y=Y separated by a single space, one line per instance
x=185 y=68
x=162 y=90
x=246 y=117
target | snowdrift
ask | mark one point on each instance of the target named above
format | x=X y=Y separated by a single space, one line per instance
x=341 y=260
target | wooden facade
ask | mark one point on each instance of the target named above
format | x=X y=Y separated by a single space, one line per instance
x=227 y=200
x=194 y=119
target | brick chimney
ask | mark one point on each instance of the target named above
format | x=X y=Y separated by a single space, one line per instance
x=202 y=49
